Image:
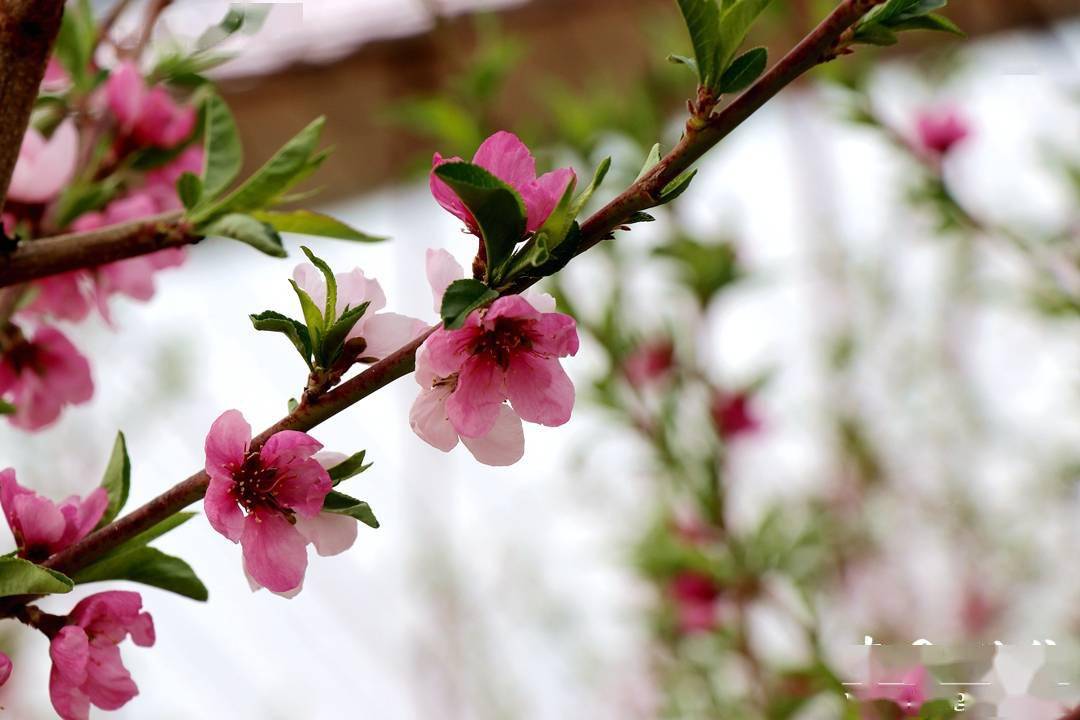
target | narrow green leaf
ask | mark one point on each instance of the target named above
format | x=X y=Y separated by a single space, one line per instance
x=651 y=160
x=497 y=208
x=313 y=317
x=935 y=22
x=306 y=222
x=246 y=229
x=461 y=298
x=342 y=504
x=598 y=177
x=330 y=309
x=677 y=187
x=224 y=154
x=735 y=23
x=190 y=189
x=148 y=566
x=336 y=334
x=875 y=34
x=117 y=480
x=744 y=70
x=296 y=331
x=687 y=61
x=703 y=23
x=349 y=467
x=22 y=577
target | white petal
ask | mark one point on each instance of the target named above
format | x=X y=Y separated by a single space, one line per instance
x=504 y=445
x=330 y=533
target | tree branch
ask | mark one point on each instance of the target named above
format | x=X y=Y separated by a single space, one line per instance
x=51 y=255
x=641 y=195
x=27 y=31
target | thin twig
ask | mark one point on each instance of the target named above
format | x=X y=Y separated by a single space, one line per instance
x=812 y=50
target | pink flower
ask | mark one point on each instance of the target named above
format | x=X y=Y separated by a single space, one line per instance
x=270 y=501
x=40 y=526
x=649 y=362
x=908 y=688
x=87 y=668
x=695 y=597
x=508 y=351
x=41 y=376
x=383 y=332
x=149 y=115
x=44 y=166
x=507 y=158
x=5 y=668
x=733 y=416
x=939 y=132
x=56 y=77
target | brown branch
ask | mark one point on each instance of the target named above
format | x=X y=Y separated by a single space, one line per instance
x=815 y=48
x=51 y=255
x=27 y=31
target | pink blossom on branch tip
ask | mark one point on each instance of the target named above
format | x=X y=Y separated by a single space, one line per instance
x=41 y=375
x=42 y=527
x=87 y=668
x=507 y=158
x=270 y=501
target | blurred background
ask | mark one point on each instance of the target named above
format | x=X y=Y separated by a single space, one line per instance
x=830 y=393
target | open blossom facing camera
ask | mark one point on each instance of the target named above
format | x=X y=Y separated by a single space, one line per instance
x=87 y=668
x=383 y=332
x=270 y=501
x=41 y=375
x=507 y=158
x=42 y=527
x=941 y=131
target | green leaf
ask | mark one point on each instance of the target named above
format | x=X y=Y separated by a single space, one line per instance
x=296 y=331
x=639 y=217
x=271 y=180
x=342 y=504
x=246 y=229
x=703 y=22
x=117 y=480
x=224 y=154
x=76 y=40
x=598 y=177
x=735 y=23
x=938 y=23
x=875 y=34
x=6 y=408
x=334 y=341
x=330 y=309
x=79 y=198
x=148 y=566
x=306 y=222
x=687 y=61
x=22 y=577
x=313 y=317
x=744 y=70
x=190 y=189
x=651 y=161
x=677 y=187
x=349 y=467
x=497 y=208
x=461 y=298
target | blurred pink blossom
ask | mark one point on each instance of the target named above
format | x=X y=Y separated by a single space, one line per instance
x=87 y=668
x=42 y=375
x=148 y=114
x=42 y=527
x=695 y=597
x=649 y=362
x=507 y=158
x=940 y=131
x=44 y=166
x=733 y=415
x=5 y=668
x=908 y=689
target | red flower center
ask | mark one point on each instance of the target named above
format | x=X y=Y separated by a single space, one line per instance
x=507 y=337
x=253 y=485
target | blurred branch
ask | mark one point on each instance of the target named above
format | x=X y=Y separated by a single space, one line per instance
x=815 y=48
x=61 y=253
x=27 y=31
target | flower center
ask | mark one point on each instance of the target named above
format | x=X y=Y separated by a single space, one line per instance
x=253 y=485
x=507 y=337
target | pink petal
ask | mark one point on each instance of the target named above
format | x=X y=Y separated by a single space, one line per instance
x=65 y=370
x=447 y=350
x=227 y=444
x=507 y=158
x=303 y=487
x=62 y=296
x=108 y=683
x=542 y=195
x=424 y=374
x=429 y=421
x=40 y=522
x=125 y=92
x=442 y=269
x=555 y=335
x=133 y=207
x=70 y=654
x=109 y=614
x=387 y=332
x=473 y=407
x=5 y=668
x=539 y=389
x=354 y=289
x=446 y=197
x=221 y=509
x=45 y=166
x=90 y=511
x=512 y=307
x=329 y=459
x=330 y=533
x=503 y=445
x=541 y=301
x=286 y=447
x=311 y=281
x=275 y=554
